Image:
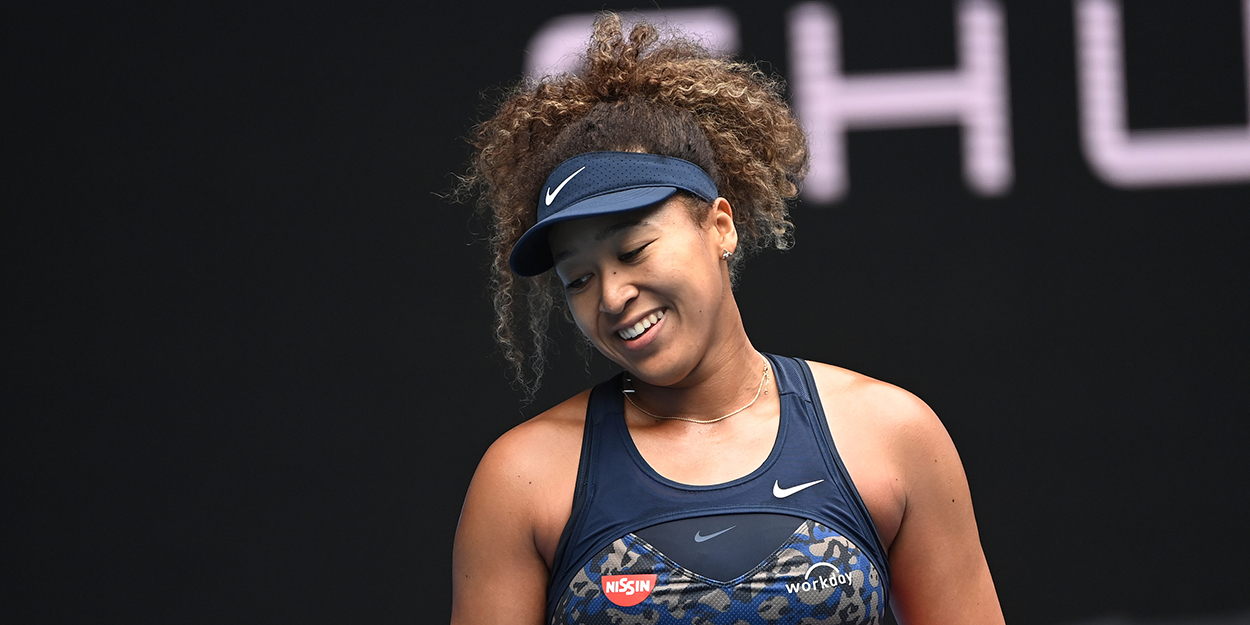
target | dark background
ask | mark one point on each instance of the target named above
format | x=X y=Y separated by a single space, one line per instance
x=250 y=362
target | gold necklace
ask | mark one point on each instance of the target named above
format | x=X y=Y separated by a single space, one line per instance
x=629 y=390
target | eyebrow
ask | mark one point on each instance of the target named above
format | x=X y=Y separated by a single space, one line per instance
x=617 y=227
x=603 y=234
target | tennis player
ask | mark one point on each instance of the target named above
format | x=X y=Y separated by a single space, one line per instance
x=707 y=482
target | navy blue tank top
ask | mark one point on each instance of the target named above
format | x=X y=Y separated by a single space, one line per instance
x=791 y=542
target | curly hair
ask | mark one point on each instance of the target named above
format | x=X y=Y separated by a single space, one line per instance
x=666 y=96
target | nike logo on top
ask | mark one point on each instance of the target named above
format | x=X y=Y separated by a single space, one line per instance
x=551 y=195
x=782 y=493
x=698 y=537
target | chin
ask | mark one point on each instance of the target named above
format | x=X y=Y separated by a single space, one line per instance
x=665 y=374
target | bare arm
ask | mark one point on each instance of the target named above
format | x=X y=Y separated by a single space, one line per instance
x=517 y=506
x=907 y=470
x=498 y=575
x=938 y=570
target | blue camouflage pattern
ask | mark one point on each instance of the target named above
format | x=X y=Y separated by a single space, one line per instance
x=816 y=577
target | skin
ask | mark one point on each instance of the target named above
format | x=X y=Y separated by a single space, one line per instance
x=697 y=362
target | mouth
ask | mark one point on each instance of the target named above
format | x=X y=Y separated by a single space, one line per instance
x=638 y=329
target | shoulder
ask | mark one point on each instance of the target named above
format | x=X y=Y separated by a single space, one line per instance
x=871 y=402
x=527 y=477
x=910 y=476
x=530 y=474
x=538 y=447
x=896 y=437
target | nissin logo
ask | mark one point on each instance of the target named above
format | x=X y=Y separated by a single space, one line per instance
x=627 y=590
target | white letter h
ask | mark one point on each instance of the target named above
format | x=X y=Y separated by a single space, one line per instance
x=974 y=96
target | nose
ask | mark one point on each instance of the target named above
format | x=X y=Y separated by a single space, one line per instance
x=618 y=289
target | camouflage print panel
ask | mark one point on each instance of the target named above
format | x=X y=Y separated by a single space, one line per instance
x=816 y=577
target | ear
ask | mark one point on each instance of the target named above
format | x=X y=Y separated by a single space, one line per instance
x=722 y=225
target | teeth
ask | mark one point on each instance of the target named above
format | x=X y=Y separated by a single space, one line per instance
x=641 y=326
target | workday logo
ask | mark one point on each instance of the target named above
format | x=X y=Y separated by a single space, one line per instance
x=813 y=579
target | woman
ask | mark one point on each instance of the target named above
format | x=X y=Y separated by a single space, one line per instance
x=702 y=485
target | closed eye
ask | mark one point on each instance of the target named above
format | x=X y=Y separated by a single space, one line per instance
x=632 y=254
x=578 y=283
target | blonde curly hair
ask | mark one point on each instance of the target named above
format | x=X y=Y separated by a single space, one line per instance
x=666 y=96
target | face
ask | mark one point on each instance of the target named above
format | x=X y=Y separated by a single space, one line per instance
x=649 y=287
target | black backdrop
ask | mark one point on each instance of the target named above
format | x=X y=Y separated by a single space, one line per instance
x=250 y=367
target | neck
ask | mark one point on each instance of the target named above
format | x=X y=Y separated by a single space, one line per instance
x=724 y=380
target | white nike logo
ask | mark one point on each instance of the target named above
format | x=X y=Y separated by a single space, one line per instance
x=551 y=195
x=698 y=538
x=782 y=493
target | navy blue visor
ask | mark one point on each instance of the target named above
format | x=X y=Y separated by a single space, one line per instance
x=603 y=183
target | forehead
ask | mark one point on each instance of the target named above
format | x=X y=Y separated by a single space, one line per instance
x=570 y=236
x=594 y=229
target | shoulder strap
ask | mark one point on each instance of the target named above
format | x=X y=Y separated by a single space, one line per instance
x=805 y=385
x=597 y=407
x=789 y=373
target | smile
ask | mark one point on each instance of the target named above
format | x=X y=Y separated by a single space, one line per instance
x=638 y=329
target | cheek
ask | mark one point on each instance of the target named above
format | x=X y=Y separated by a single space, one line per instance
x=698 y=270
x=584 y=314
